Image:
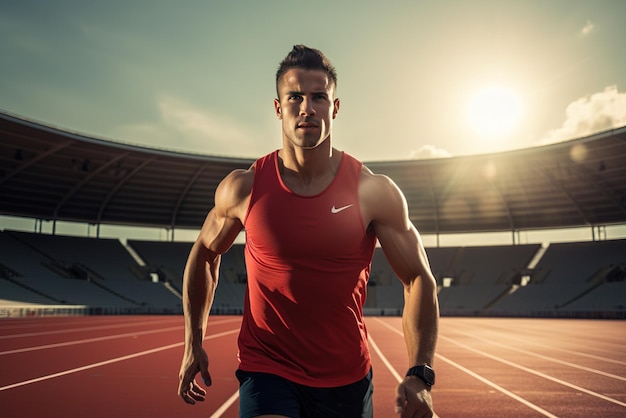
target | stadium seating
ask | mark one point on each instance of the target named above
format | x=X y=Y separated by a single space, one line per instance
x=584 y=279
x=78 y=271
x=569 y=280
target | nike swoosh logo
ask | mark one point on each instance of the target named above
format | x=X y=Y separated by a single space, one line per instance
x=337 y=210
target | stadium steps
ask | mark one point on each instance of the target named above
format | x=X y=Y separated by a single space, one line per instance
x=33 y=290
x=17 y=236
x=598 y=279
x=172 y=289
x=171 y=278
x=113 y=292
x=6 y=272
x=501 y=296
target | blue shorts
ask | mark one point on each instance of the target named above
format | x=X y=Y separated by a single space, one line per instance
x=267 y=394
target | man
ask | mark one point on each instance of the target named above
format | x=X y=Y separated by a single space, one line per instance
x=312 y=215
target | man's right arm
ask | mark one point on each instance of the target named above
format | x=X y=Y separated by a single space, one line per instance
x=220 y=228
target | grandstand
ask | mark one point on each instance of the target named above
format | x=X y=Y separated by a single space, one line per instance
x=100 y=276
x=52 y=175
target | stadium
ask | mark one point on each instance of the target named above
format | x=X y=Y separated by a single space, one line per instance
x=94 y=324
x=52 y=175
x=502 y=122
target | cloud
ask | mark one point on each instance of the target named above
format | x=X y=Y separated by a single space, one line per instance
x=587 y=29
x=429 y=151
x=182 y=126
x=196 y=123
x=588 y=115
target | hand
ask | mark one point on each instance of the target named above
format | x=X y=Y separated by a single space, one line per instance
x=194 y=361
x=413 y=399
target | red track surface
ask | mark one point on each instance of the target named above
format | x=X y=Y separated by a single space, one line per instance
x=128 y=367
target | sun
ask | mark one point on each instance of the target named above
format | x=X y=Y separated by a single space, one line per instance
x=494 y=111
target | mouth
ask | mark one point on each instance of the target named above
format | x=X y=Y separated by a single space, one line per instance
x=307 y=125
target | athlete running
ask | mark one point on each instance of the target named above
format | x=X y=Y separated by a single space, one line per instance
x=312 y=215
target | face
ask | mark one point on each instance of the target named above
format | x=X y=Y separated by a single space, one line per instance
x=306 y=106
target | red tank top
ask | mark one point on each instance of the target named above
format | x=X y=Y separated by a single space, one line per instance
x=308 y=261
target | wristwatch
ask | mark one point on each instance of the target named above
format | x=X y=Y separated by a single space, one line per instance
x=424 y=372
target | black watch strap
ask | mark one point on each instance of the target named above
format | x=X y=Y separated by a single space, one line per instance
x=424 y=372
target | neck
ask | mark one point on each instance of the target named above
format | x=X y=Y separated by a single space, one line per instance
x=308 y=171
x=307 y=162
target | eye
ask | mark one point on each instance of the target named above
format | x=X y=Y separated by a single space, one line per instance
x=294 y=97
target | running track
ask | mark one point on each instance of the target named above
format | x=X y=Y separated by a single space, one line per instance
x=115 y=366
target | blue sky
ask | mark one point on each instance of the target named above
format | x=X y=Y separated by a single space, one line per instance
x=198 y=76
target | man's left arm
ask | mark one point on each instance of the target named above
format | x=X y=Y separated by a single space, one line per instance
x=405 y=252
x=420 y=321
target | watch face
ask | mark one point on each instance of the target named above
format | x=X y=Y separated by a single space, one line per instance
x=429 y=375
x=424 y=372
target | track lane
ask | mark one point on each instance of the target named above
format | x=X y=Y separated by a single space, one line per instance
x=489 y=365
x=470 y=384
x=552 y=385
x=457 y=393
x=134 y=385
x=58 y=359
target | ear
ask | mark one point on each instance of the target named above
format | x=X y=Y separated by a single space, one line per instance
x=336 y=104
x=279 y=114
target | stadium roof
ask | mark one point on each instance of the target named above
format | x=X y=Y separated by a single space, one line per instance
x=51 y=174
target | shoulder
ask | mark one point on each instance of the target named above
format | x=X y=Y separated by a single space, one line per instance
x=380 y=198
x=372 y=185
x=239 y=180
x=233 y=192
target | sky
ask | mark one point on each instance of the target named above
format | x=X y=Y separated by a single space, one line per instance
x=417 y=79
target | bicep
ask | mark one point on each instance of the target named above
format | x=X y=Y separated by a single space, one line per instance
x=219 y=232
x=398 y=237
x=224 y=221
x=405 y=252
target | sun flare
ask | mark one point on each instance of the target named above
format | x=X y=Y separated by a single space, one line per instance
x=494 y=111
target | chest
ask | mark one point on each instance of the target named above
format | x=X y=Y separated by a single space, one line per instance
x=289 y=225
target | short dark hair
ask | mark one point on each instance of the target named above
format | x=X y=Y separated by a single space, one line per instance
x=307 y=58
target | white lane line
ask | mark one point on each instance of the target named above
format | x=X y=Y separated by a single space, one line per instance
x=70 y=330
x=393 y=371
x=220 y=411
x=85 y=341
x=591 y=356
x=552 y=359
x=535 y=372
x=89 y=366
x=479 y=377
x=497 y=387
x=48 y=321
x=110 y=361
x=128 y=324
x=564 y=350
x=380 y=354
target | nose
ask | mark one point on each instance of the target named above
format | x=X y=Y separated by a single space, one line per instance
x=306 y=107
